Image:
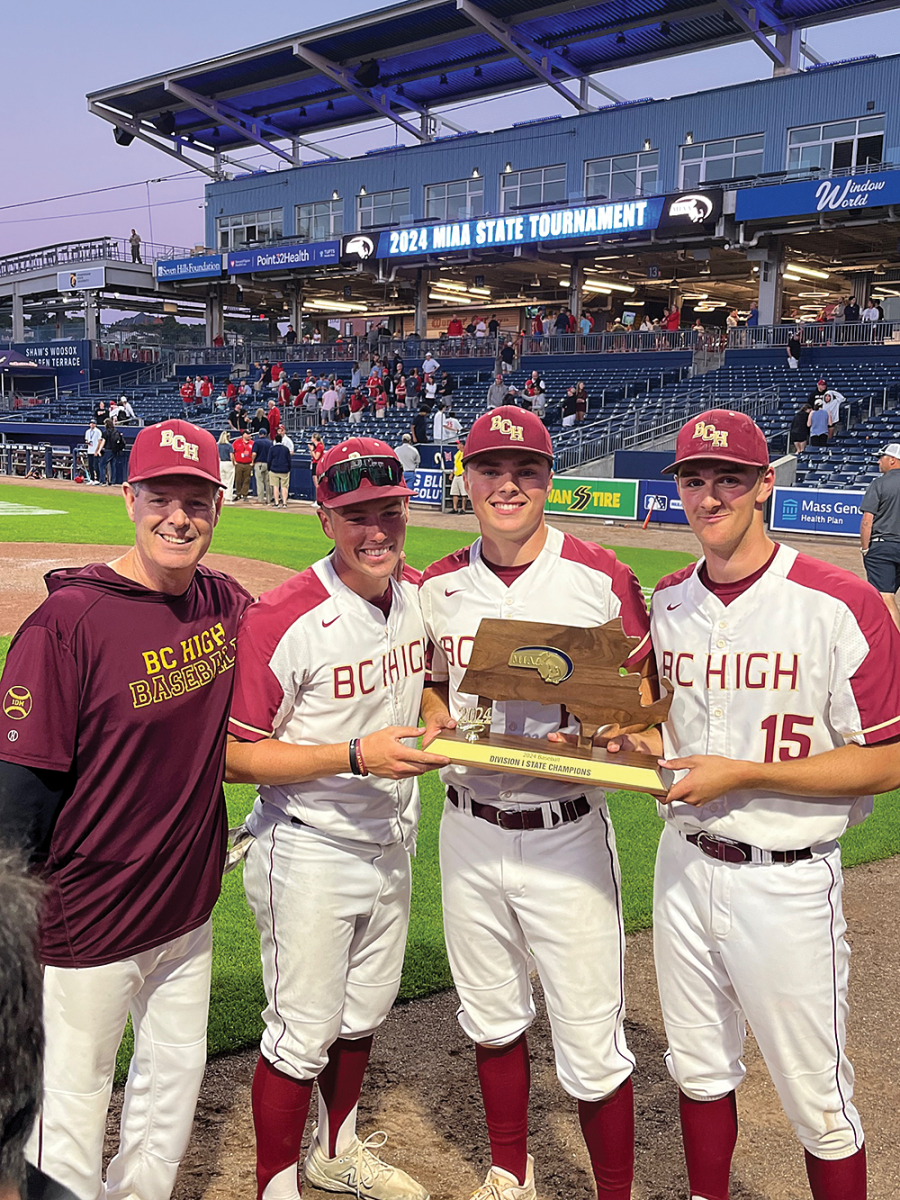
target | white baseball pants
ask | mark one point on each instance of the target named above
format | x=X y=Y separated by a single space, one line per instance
x=762 y=943
x=332 y=917
x=166 y=990
x=552 y=897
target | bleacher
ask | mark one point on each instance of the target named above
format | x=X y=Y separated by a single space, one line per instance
x=624 y=397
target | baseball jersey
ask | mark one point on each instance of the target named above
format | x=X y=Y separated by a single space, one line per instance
x=126 y=691
x=794 y=665
x=317 y=665
x=571 y=582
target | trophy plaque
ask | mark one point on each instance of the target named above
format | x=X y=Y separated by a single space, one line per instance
x=578 y=669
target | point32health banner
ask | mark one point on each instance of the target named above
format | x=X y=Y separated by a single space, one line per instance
x=604 y=498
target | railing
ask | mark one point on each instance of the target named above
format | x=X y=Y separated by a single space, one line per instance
x=815 y=333
x=609 y=343
x=89 y=250
x=595 y=444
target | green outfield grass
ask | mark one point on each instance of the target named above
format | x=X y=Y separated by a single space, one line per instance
x=237 y=996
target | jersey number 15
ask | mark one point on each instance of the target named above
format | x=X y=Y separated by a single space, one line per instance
x=793 y=744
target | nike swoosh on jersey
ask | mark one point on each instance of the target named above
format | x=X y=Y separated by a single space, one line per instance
x=325 y=624
x=669 y=607
x=453 y=593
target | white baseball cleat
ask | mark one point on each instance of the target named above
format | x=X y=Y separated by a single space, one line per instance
x=500 y=1185
x=361 y=1173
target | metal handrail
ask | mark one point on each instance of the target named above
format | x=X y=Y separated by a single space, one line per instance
x=815 y=333
x=86 y=250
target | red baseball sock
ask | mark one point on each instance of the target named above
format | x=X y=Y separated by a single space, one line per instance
x=280 y=1108
x=837 y=1178
x=608 y=1128
x=340 y=1083
x=709 y=1132
x=504 y=1073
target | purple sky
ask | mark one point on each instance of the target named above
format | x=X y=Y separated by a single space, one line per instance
x=56 y=52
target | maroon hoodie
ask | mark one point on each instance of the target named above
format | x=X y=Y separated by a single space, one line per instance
x=127 y=691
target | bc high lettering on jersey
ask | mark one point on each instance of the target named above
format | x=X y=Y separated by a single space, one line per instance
x=800 y=662
x=571 y=582
x=317 y=665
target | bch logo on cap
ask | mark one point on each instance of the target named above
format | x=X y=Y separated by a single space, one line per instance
x=707 y=432
x=504 y=425
x=17 y=703
x=553 y=666
x=180 y=444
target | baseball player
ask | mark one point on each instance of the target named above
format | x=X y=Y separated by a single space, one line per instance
x=103 y=683
x=528 y=866
x=784 y=722
x=331 y=666
x=879 y=533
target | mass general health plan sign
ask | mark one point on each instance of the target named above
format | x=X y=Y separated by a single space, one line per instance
x=816 y=510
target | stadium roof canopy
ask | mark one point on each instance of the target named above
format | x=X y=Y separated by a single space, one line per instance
x=411 y=60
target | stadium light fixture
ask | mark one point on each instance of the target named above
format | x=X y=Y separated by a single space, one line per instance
x=799 y=269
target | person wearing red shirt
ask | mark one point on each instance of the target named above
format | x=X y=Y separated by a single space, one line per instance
x=187 y=391
x=205 y=388
x=673 y=320
x=455 y=328
x=273 y=416
x=358 y=405
x=230 y=391
x=242 y=457
x=284 y=393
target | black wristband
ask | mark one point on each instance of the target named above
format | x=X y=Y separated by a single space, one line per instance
x=355 y=765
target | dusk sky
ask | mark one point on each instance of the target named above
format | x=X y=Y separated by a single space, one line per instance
x=55 y=52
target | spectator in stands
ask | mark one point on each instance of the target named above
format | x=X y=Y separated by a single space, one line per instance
x=294 y=385
x=879 y=533
x=480 y=334
x=135 y=241
x=316 y=447
x=697 y=326
x=799 y=434
x=793 y=349
x=218 y=341
x=618 y=326
x=205 y=389
x=851 y=311
x=359 y=402
x=731 y=321
x=273 y=416
x=569 y=408
x=537 y=330
x=290 y=338
x=287 y=441
x=101 y=412
x=439 y=424
x=414 y=384
x=673 y=319
x=187 y=394
x=561 y=326
x=753 y=315
x=262 y=446
x=258 y=422
x=817 y=422
x=279 y=472
x=355 y=375
x=455 y=330
x=431 y=389
x=93 y=437
x=497 y=392
x=452 y=426
x=431 y=365
x=400 y=392
x=833 y=400
x=507 y=358
x=230 y=391
x=330 y=400
x=493 y=326
x=265 y=375
x=410 y=460
x=284 y=396
x=581 y=401
x=869 y=316
x=245 y=391
x=419 y=427
x=242 y=457
x=226 y=467
x=381 y=404
x=646 y=324
x=446 y=386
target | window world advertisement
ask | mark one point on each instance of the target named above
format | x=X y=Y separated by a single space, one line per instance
x=840 y=194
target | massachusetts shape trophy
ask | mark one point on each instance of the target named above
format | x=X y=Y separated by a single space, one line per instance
x=581 y=671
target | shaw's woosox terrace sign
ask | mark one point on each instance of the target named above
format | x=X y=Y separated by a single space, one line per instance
x=591 y=220
x=846 y=193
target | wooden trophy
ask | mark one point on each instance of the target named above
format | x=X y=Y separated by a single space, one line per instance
x=578 y=669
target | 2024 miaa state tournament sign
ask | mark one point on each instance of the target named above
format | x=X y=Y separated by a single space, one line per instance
x=578 y=669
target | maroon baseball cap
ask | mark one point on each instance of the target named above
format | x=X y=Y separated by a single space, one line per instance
x=368 y=470
x=174 y=448
x=508 y=428
x=722 y=434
